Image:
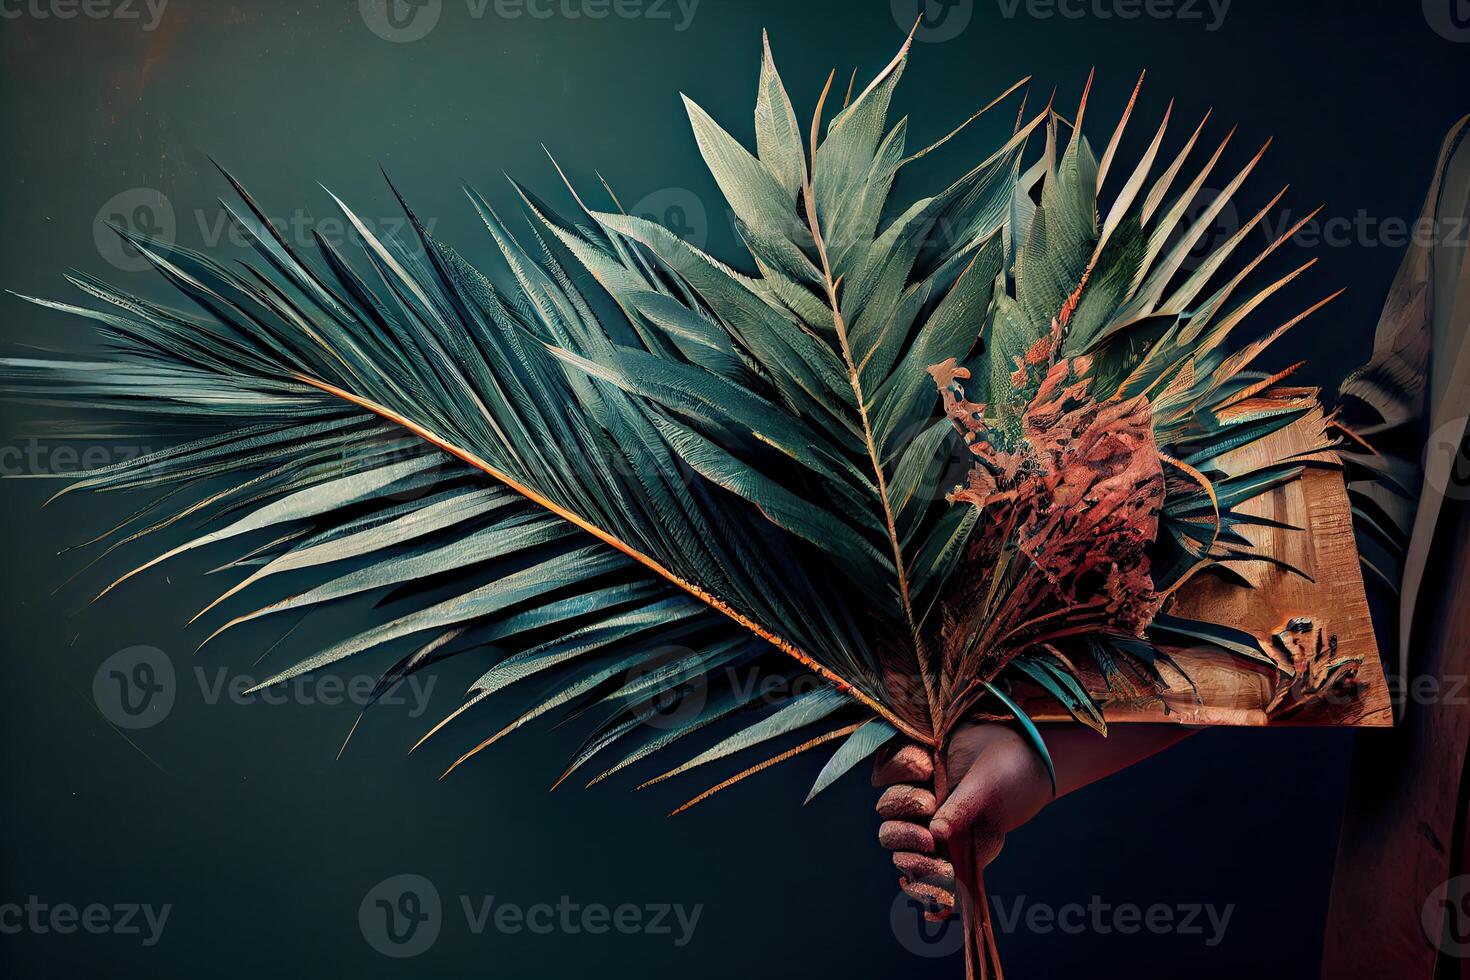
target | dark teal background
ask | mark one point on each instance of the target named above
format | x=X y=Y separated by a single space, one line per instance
x=238 y=815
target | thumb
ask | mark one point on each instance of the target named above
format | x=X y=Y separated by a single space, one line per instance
x=1004 y=787
x=969 y=802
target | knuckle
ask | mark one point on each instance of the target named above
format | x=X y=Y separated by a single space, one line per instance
x=924 y=868
x=901 y=835
x=903 y=801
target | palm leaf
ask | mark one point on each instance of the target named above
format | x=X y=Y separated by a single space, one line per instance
x=608 y=444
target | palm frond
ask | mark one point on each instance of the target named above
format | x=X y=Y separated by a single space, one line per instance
x=631 y=467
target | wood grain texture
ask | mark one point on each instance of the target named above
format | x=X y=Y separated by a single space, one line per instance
x=1225 y=689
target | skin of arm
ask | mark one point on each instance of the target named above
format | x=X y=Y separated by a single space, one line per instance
x=999 y=783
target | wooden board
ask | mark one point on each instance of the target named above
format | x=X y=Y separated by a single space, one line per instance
x=1333 y=622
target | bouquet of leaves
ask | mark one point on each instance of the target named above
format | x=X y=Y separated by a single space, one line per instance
x=944 y=457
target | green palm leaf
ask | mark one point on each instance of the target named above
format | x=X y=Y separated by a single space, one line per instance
x=743 y=469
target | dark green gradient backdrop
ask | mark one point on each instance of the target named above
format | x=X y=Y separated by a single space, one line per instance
x=238 y=816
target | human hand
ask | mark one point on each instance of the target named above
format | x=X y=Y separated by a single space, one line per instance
x=996 y=783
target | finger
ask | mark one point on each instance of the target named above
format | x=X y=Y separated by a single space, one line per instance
x=922 y=867
x=938 y=902
x=965 y=804
x=904 y=802
x=1003 y=788
x=900 y=835
x=910 y=764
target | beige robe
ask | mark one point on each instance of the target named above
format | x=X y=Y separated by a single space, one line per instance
x=1398 y=910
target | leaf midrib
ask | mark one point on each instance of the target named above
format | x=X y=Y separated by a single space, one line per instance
x=693 y=589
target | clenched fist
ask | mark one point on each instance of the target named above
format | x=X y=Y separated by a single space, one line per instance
x=996 y=782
